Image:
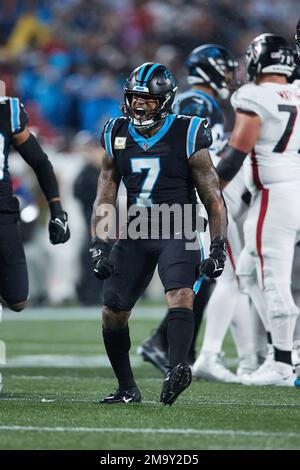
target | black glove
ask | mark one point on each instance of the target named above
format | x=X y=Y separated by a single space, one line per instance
x=100 y=250
x=213 y=266
x=59 y=231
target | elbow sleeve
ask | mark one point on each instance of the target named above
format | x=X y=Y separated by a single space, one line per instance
x=33 y=154
x=230 y=163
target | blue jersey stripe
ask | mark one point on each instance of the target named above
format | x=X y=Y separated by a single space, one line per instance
x=192 y=134
x=15 y=114
x=201 y=278
x=107 y=137
x=149 y=73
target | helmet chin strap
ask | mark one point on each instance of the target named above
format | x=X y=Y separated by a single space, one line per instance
x=223 y=92
x=150 y=123
x=142 y=124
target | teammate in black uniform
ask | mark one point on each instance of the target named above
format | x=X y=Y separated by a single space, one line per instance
x=161 y=158
x=13 y=269
x=210 y=74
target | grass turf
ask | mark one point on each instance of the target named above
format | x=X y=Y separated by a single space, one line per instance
x=48 y=404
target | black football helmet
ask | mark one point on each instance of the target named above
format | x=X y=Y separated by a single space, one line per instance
x=269 y=53
x=153 y=81
x=297 y=39
x=214 y=66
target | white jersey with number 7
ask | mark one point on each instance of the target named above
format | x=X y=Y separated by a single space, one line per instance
x=275 y=159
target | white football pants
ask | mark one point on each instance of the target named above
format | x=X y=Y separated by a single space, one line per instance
x=271 y=230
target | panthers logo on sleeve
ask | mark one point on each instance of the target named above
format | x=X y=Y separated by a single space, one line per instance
x=199 y=136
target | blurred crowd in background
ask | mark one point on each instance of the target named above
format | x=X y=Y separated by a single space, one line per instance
x=68 y=59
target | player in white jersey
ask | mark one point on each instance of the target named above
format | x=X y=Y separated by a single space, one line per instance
x=268 y=127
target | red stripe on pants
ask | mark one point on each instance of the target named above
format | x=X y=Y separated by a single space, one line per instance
x=255 y=172
x=259 y=228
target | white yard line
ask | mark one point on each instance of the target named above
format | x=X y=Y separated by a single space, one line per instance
x=72 y=378
x=64 y=346
x=202 y=432
x=77 y=313
x=72 y=360
x=64 y=360
x=149 y=402
x=65 y=400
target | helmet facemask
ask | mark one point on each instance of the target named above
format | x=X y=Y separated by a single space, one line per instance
x=147 y=119
x=212 y=65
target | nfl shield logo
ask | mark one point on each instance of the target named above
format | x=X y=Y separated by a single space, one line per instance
x=145 y=146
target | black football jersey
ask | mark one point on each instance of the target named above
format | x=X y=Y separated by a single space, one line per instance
x=197 y=103
x=155 y=170
x=13 y=119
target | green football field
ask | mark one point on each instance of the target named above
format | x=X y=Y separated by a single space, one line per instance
x=57 y=371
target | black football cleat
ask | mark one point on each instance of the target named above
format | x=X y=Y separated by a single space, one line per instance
x=176 y=381
x=132 y=395
x=153 y=351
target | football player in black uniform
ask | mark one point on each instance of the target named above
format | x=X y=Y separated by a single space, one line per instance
x=161 y=158
x=210 y=73
x=13 y=269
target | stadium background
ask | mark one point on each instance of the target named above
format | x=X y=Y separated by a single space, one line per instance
x=67 y=60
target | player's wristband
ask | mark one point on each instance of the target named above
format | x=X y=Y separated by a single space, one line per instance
x=55 y=209
x=98 y=244
x=33 y=154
